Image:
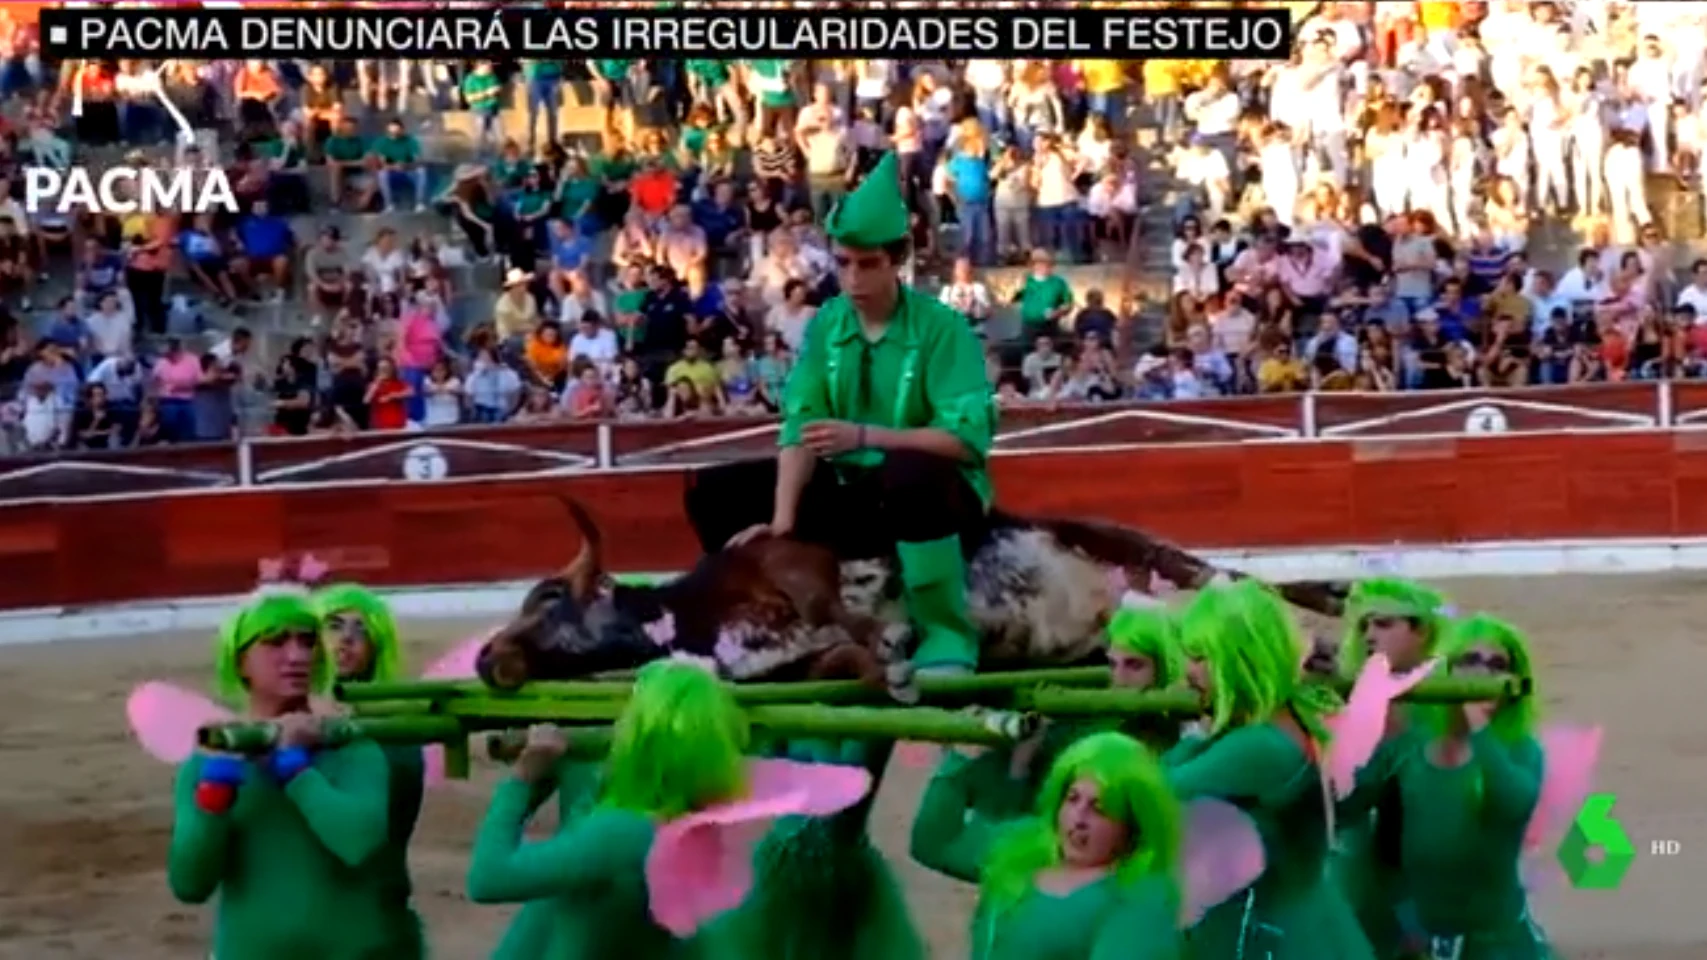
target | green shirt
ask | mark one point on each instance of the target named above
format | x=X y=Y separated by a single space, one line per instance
x=927 y=370
x=1040 y=296
x=509 y=171
x=482 y=91
x=532 y=202
x=342 y=149
x=316 y=847
x=576 y=193
x=542 y=70
x=614 y=169
x=397 y=150
x=714 y=72
x=613 y=70
x=770 y=82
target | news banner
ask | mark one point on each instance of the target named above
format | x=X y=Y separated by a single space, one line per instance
x=252 y=32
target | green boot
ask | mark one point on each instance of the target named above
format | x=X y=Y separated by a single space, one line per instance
x=934 y=577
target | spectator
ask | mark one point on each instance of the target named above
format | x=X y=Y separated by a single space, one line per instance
x=1044 y=299
x=594 y=342
x=547 y=356
x=387 y=397
x=295 y=383
x=45 y=417
x=213 y=408
x=442 y=396
x=493 y=388
x=694 y=383
x=516 y=313
x=396 y=159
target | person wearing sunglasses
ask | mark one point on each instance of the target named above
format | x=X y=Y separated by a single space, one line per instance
x=291 y=842
x=1402 y=620
x=1464 y=779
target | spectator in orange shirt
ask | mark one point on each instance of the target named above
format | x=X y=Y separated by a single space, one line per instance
x=257 y=89
x=547 y=354
x=653 y=190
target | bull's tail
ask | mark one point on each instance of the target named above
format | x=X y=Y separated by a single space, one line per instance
x=1134 y=550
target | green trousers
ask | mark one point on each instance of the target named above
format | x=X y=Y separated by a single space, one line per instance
x=933 y=576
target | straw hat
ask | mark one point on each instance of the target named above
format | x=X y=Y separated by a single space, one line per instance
x=469 y=171
x=516 y=276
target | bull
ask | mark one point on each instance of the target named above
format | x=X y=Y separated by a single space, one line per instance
x=1039 y=591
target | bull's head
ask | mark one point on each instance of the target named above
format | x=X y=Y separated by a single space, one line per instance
x=573 y=624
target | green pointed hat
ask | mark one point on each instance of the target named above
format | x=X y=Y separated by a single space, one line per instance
x=1390 y=597
x=875 y=214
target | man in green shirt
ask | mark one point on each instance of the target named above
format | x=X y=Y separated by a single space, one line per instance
x=544 y=80
x=346 y=158
x=1044 y=300
x=887 y=426
x=398 y=157
x=483 y=92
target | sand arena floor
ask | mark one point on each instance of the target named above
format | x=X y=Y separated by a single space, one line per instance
x=84 y=815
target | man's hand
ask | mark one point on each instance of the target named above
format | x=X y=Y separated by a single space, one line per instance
x=759 y=531
x=827 y=438
x=1478 y=715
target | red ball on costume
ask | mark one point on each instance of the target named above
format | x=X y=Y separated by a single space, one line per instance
x=215 y=797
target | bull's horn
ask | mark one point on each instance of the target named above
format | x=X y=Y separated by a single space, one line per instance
x=582 y=573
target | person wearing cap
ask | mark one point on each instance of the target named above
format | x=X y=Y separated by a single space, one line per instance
x=516 y=313
x=887 y=425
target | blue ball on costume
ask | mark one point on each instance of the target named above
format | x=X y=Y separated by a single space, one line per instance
x=225 y=770
x=287 y=762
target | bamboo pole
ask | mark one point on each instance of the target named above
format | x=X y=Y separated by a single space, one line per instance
x=964 y=689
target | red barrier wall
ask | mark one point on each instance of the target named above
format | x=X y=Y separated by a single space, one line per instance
x=1617 y=483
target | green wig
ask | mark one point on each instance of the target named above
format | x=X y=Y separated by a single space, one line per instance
x=1131 y=789
x=1151 y=632
x=376 y=616
x=1514 y=720
x=679 y=746
x=272 y=615
x=1244 y=633
x=1390 y=597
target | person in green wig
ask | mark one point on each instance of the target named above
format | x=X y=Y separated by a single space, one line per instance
x=1403 y=620
x=290 y=844
x=887 y=422
x=1265 y=736
x=1093 y=874
x=679 y=746
x=365 y=649
x=822 y=890
x=1468 y=778
x=1001 y=785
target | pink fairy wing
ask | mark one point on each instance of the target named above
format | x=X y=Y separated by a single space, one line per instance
x=1570 y=755
x=459 y=663
x=1223 y=855
x=165 y=719
x=1359 y=727
x=701 y=865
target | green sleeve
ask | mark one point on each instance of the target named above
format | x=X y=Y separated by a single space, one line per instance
x=957 y=388
x=806 y=397
x=195 y=860
x=1374 y=780
x=586 y=853
x=346 y=801
x=946 y=837
x=1245 y=763
x=1511 y=775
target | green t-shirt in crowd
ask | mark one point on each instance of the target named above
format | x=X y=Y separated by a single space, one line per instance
x=1040 y=296
x=772 y=82
x=714 y=73
x=397 y=150
x=577 y=193
x=532 y=202
x=342 y=149
x=613 y=168
x=613 y=70
x=482 y=91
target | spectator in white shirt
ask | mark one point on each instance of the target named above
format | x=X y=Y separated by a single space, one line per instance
x=1695 y=295
x=1650 y=79
x=45 y=417
x=111 y=327
x=967 y=295
x=1332 y=337
x=123 y=379
x=1586 y=283
x=595 y=341
x=1214 y=112
x=1197 y=277
x=1204 y=169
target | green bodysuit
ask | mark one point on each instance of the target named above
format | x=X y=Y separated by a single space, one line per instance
x=300 y=870
x=576 y=786
x=593 y=872
x=1098 y=921
x=1292 y=912
x=1365 y=861
x=821 y=890
x=1458 y=888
